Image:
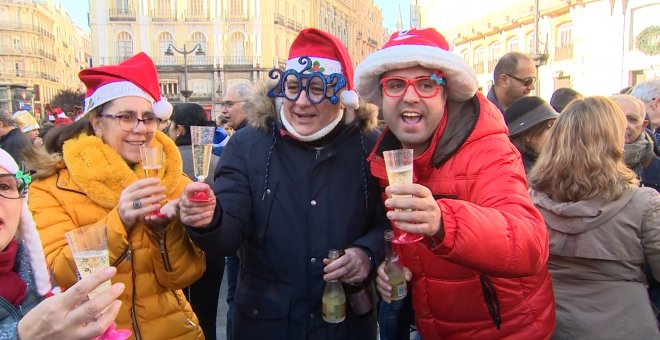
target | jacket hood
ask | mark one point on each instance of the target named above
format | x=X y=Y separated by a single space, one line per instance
x=261 y=109
x=578 y=217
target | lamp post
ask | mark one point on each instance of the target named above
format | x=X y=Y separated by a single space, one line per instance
x=539 y=58
x=198 y=51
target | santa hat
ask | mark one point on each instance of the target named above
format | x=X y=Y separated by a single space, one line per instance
x=135 y=77
x=25 y=121
x=415 y=47
x=28 y=232
x=328 y=56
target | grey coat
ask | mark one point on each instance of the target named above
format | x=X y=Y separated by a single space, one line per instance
x=597 y=249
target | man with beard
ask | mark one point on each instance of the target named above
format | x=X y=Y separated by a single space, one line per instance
x=514 y=77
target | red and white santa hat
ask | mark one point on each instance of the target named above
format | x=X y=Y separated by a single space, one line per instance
x=328 y=56
x=28 y=233
x=135 y=77
x=415 y=47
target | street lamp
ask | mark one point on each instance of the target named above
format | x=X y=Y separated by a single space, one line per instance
x=198 y=52
x=539 y=58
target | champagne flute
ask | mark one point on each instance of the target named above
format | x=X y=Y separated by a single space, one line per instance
x=399 y=166
x=89 y=247
x=202 y=144
x=152 y=163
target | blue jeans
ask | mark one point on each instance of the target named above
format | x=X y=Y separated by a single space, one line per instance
x=232 y=265
x=395 y=319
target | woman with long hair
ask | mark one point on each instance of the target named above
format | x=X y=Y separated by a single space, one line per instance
x=99 y=178
x=602 y=227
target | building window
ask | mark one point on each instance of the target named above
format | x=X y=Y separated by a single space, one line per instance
x=195 y=8
x=165 y=39
x=237 y=49
x=512 y=45
x=479 y=57
x=124 y=46
x=237 y=9
x=564 y=46
x=198 y=38
x=494 y=56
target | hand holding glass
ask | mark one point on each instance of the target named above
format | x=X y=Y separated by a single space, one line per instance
x=399 y=166
x=152 y=162
x=89 y=246
x=202 y=144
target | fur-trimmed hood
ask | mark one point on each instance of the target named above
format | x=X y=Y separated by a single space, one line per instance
x=261 y=109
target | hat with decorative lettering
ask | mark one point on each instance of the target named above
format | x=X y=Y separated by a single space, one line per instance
x=410 y=48
x=135 y=77
x=328 y=55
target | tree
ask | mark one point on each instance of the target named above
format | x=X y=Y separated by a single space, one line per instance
x=68 y=100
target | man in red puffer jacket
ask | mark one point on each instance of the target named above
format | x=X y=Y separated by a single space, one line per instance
x=480 y=270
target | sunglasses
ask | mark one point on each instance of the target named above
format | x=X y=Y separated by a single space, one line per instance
x=525 y=81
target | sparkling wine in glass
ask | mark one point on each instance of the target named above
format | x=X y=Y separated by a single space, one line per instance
x=152 y=163
x=202 y=144
x=399 y=167
x=89 y=247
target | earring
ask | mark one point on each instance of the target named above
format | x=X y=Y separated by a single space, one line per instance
x=527 y=140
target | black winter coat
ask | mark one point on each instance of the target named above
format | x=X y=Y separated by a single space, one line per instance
x=283 y=204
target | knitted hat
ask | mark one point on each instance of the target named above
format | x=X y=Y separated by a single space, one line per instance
x=25 y=121
x=135 y=77
x=415 y=47
x=527 y=112
x=328 y=56
x=28 y=232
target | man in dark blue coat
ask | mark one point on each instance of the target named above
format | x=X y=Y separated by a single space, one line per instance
x=292 y=185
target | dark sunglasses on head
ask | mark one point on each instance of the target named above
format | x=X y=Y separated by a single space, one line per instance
x=525 y=81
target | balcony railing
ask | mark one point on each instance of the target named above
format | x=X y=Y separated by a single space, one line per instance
x=13 y=73
x=478 y=68
x=176 y=61
x=112 y=60
x=564 y=52
x=163 y=15
x=491 y=65
x=196 y=15
x=239 y=61
x=121 y=14
x=10 y=25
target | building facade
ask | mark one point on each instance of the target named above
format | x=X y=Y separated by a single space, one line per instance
x=592 y=46
x=241 y=40
x=41 y=53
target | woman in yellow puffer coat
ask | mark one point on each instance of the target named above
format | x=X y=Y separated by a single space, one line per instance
x=99 y=179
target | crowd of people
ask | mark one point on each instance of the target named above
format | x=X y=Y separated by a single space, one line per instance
x=537 y=219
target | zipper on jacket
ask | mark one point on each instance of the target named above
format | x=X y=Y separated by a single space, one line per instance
x=134 y=324
x=13 y=312
x=163 y=252
x=123 y=255
x=318 y=154
x=490 y=296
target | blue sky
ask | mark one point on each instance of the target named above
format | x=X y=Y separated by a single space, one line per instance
x=78 y=9
x=390 y=9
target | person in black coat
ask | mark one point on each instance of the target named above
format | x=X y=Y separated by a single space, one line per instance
x=293 y=184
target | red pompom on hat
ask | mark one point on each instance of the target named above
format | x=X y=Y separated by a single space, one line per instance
x=410 y=48
x=135 y=77
x=328 y=56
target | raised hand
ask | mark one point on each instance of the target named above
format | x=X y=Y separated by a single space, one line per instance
x=139 y=199
x=70 y=315
x=194 y=213
x=419 y=214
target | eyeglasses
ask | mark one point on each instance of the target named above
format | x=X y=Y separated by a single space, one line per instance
x=229 y=103
x=129 y=122
x=526 y=81
x=425 y=87
x=14 y=187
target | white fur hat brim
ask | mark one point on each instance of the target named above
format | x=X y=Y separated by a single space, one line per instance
x=461 y=81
